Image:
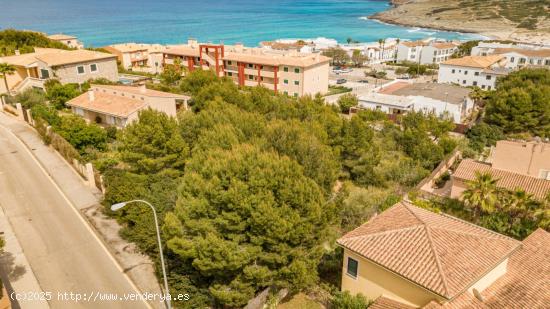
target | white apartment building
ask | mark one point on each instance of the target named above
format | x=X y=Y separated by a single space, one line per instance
x=400 y=97
x=479 y=71
x=375 y=52
x=425 y=52
x=517 y=58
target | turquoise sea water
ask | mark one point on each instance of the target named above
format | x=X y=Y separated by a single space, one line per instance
x=103 y=22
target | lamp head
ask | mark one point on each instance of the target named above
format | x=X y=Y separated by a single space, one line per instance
x=118 y=206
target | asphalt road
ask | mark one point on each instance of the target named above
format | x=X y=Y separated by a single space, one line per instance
x=64 y=254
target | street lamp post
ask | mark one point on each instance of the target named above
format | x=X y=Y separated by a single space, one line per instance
x=118 y=206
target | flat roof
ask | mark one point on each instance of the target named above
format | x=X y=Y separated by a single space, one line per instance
x=442 y=92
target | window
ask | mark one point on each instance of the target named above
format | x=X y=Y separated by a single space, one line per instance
x=229 y=63
x=250 y=65
x=352 y=267
x=80 y=69
x=464 y=82
x=93 y=67
x=229 y=74
x=295 y=95
x=453 y=71
x=285 y=69
x=475 y=83
x=488 y=87
x=539 y=62
x=296 y=83
x=547 y=62
x=512 y=59
x=286 y=92
x=286 y=81
x=482 y=86
x=79 y=111
x=522 y=60
x=251 y=77
x=296 y=70
x=476 y=73
x=465 y=72
x=45 y=74
x=488 y=77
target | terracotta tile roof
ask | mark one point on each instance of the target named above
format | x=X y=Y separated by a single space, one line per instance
x=414 y=43
x=256 y=56
x=438 y=252
x=133 y=47
x=526 y=283
x=62 y=57
x=539 y=188
x=542 y=53
x=481 y=62
x=389 y=89
x=445 y=45
x=142 y=91
x=109 y=104
x=386 y=303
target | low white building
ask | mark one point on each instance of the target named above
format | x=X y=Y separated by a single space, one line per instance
x=375 y=52
x=425 y=52
x=488 y=48
x=400 y=97
x=517 y=58
x=479 y=71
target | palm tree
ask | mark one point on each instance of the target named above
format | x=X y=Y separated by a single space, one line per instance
x=5 y=70
x=481 y=195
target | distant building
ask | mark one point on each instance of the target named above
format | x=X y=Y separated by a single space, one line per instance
x=119 y=105
x=485 y=48
x=298 y=46
x=67 y=66
x=69 y=40
x=292 y=73
x=408 y=257
x=400 y=97
x=515 y=165
x=520 y=58
x=425 y=52
x=375 y=52
x=138 y=57
x=480 y=71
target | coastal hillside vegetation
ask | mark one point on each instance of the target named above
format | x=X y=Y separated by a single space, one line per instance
x=24 y=41
x=252 y=188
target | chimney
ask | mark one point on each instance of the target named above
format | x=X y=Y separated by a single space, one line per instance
x=142 y=88
x=17 y=52
x=91 y=95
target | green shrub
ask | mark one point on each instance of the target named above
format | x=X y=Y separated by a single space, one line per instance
x=344 y=300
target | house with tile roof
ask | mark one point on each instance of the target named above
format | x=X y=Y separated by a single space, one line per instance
x=69 y=40
x=425 y=52
x=480 y=71
x=515 y=165
x=518 y=58
x=67 y=66
x=115 y=105
x=138 y=57
x=409 y=257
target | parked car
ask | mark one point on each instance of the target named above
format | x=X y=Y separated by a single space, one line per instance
x=364 y=81
x=346 y=70
x=341 y=81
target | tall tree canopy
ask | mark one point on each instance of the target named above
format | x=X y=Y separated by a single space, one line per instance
x=247 y=219
x=153 y=144
x=521 y=103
